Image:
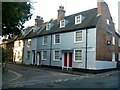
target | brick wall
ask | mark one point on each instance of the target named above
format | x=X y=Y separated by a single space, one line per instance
x=105 y=33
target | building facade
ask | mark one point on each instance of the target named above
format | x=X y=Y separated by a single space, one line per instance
x=84 y=40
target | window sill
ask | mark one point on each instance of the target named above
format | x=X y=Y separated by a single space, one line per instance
x=78 y=41
x=78 y=61
x=44 y=59
x=77 y=23
x=57 y=60
x=56 y=43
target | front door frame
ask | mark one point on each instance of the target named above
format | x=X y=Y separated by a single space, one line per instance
x=38 y=58
x=33 y=57
x=68 y=59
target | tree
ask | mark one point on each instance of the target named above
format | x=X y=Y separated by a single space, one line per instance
x=14 y=15
x=4 y=58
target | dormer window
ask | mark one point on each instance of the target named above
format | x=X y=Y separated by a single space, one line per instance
x=108 y=22
x=62 y=23
x=48 y=26
x=78 y=19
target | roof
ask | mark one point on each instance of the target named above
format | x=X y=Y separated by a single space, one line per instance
x=90 y=21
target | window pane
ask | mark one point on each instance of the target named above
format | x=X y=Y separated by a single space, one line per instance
x=78 y=55
x=48 y=26
x=45 y=40
x=29 y=42
x=44 y=54
x=57 y=38
x=79 y=36
x=113 y=40
x=78 y=19
x=57 y=54
x=62 y=23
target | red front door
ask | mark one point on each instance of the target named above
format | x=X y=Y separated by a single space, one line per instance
x=65 y=59
x=70 y=59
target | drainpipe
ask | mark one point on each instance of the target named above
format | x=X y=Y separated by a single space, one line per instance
x=86 y=48
x=50 y=50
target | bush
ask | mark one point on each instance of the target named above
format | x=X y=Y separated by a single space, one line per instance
x=4 y=59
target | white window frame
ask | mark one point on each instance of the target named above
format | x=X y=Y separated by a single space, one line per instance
x=62 y=23
x=108 y=21
x=119 y=57
x=80 y=61
x=42 y=55
x=76 y=19
x=44 y=40
x=55 y=38
x=29 y=40
x=75 y=37
x=54 y=55
x=113 y=40
x=113 y=56
x=48 y=26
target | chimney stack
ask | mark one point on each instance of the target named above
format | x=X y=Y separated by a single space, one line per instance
x=100 y=6
x=39 y=21
x=61 y=14
x=119 y=17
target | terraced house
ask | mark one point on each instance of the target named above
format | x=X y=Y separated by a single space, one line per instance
x=84 y=40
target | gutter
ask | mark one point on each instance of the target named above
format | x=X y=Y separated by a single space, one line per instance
x=86 y=48
x=50 y=50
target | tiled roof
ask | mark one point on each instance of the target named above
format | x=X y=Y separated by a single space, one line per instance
x=91 y=20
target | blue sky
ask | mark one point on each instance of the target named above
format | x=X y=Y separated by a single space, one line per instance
x=48 y=8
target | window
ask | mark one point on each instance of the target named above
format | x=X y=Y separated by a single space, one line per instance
x=113 y=56
x=28 y=55
x=57 y=39
x=78 y=19
x=19 y=43
x=44 y=55
x=78 y=55
x=56 y=55
x=78 y=36
x=45 y=40
x=29 y=43
x=113 y=40
x=108 y=22
x=119 y=57
x=62 y=23
x=119 y=42
x=48 y=26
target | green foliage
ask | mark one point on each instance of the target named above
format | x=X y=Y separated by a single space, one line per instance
x=14 y=15
x=4 y=55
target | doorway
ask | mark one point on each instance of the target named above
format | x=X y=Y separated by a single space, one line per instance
x=38 y=58
x=67 y=60
x=33 y=57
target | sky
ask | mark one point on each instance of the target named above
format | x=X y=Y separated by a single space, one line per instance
x=48 y=8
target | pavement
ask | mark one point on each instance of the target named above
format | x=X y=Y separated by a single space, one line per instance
x=26 y=76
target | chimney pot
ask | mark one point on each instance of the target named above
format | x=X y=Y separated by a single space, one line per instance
x=39 y=21
x=61 y=14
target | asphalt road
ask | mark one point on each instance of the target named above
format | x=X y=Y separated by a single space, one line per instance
x=40 y=78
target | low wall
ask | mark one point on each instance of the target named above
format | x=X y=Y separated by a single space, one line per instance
x=105 y=65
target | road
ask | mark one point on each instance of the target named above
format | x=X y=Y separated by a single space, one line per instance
x=39 y=78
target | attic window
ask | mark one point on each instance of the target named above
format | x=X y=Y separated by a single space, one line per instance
x=29 y=43
x=62 y=23
x=78 y=19
x=48 y=26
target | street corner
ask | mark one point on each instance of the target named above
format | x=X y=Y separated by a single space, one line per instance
x=10 y=76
